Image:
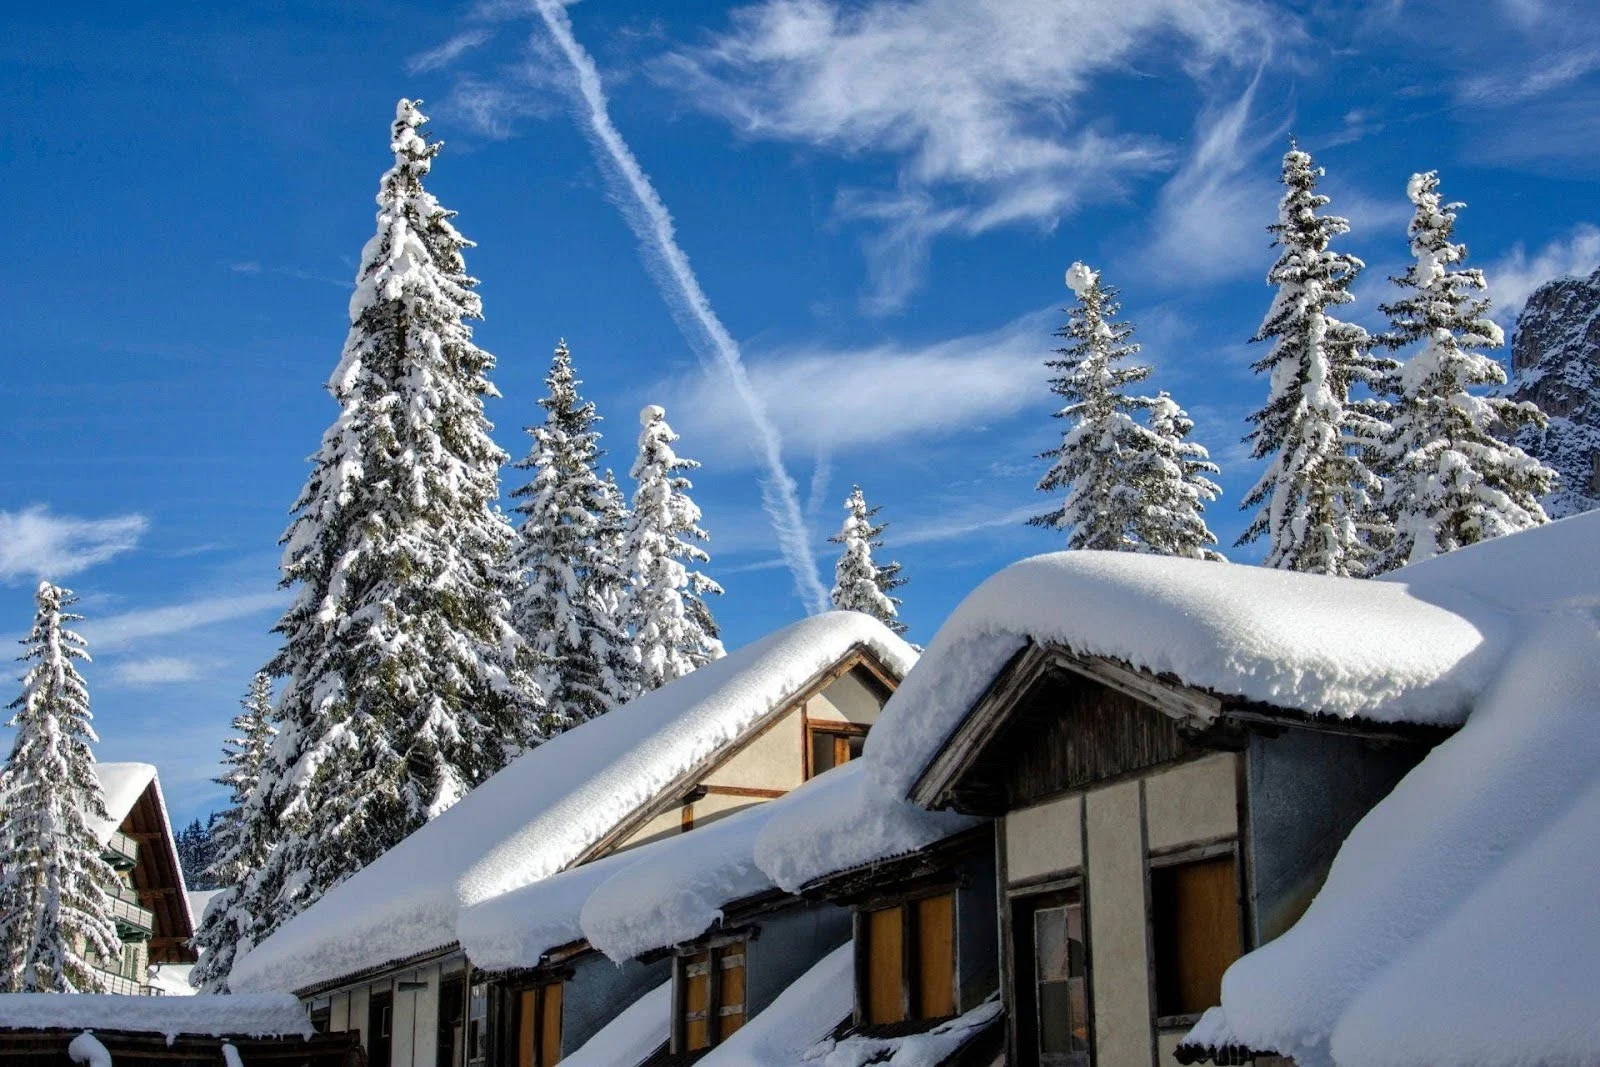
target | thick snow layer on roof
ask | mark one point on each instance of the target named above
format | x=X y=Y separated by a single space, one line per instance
x=1335 y=646
x=930 y=1048
x=539 y=814
x=238 y=1016
x=1459 y=922
x=633 y=1035
x=796 y=1020
x=123 y=784
x=679 y=891
x=518 y=928
x=846 y=821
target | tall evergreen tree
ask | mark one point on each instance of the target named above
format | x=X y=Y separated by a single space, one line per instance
x=1451 y=476
x=569 y=558
x=1315 y=503
x=858 y=582
x=404 y=682
x=1173 y=480
x=664 y=603
x=55 y=889
x=240 y=841
x=1130 y=487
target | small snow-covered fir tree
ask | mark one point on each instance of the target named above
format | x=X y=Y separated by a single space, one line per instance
x=1316 y=502
x=405 y=683
x=1172 y=479
x=55 y=889
x=568 y=555
x=664 y=603
x=240 y=841
x=1451 y=476
x=858 y=582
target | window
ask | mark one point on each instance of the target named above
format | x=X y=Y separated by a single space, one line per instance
x=380 y=1025
x=834 y=744
x=537 y=1025
x=1195 y=917
x=452 y=1033
x=478 y=1024
x=321 y=1018
x=908 y=962
x=1060 y=984
x=710 y=988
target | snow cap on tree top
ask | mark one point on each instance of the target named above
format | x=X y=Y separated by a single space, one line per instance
x=651 y=413
x=1080 y=279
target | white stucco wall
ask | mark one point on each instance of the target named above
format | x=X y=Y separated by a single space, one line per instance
x=851 y=698
x=1120 y=980
x=1192 y=802
x=339 y=1012
x=1044 y=839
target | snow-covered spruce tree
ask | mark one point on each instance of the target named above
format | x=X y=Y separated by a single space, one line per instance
x=1173 y=483
x=55 y=890
x=240 y=839
x=1316 y=502
x=568 y=557
x=404 y=682
x=664 y=603
x=1451 y=477
x=1103 y=441
x=858 y=582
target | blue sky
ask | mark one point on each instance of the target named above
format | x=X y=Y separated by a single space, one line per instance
x=879 y=199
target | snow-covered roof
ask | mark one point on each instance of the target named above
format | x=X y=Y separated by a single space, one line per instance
x=1376 y=650
x=627 y=1040
x=679 y=891
x=517 y=929
x=926 y=1048
x=1459 y=922
x=273 y=1015
x=542 y=812
x=846 y=821
x=123 y=784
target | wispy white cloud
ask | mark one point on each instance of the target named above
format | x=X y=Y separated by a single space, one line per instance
x=253 y=268
x=950 y=529
x=157 y=670
x=37 y=544
x=823 y=398
x=1549 y=73
x=447 y=52
x=1516 y=275
x=979 y=102
x=124 y=630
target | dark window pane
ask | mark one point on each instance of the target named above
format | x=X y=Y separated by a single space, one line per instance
x=821 y=752
x=1055 y=1017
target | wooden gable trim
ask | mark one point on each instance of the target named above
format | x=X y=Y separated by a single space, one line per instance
x=158 y=878
x=674 y=793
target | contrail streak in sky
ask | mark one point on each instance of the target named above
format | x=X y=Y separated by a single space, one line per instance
x=651 y=223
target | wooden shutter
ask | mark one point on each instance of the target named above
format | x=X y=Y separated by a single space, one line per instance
x=696 y=1001
x=550 y=1025
x=1196 y=925
x=936 y=957
x=885 y=966
x=527 y=1027
x=730 y=990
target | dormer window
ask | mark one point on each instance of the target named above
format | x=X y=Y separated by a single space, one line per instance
x=906 y=962
x=833 y=744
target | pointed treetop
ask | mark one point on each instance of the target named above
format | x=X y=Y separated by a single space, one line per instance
x=651 y=413
x=1080 y=279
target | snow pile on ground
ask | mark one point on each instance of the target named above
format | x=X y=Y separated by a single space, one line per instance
x=847 y=821
x=87 y=1049
x=625 y=1041
x=679 y=891
x=803 y=1014
x=1459 y=922
x=930 y=1048
x=1304 y=641
x=548 y=806
x=271 y=1015
x=518 y=928
x=123 y=784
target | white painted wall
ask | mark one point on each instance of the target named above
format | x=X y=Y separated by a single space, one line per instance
x=1191 y=802
x=360 y=1000
x=339 y=1012
x=1045 y=839
x=1117 y=941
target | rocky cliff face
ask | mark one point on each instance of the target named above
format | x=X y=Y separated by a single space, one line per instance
x=1555 y=362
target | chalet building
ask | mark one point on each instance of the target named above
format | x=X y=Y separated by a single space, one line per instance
x=386 y=953
x=150 y=905
x=1172 y=752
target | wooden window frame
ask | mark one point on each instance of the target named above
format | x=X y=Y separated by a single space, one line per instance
x=909 y=941
x=508 y=1047
x=839 y=728
x=715 y=1011
x=1179 y=856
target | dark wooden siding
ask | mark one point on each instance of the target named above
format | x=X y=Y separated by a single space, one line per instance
x=1067 y=732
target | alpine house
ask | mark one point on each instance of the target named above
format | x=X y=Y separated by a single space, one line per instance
x=393 y=951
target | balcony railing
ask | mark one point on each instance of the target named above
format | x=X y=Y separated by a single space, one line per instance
x=130 y=914
x=122 y=851
x=115 y=983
